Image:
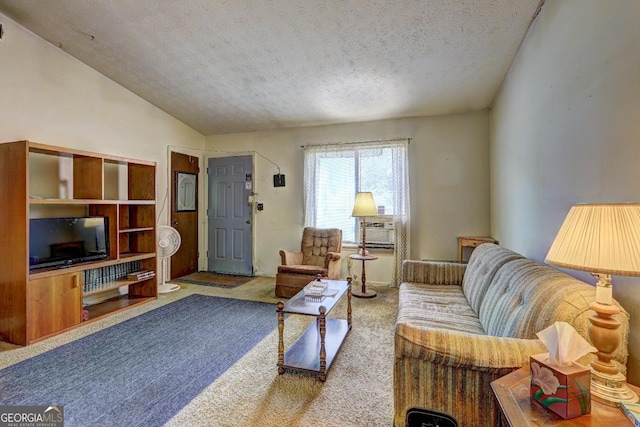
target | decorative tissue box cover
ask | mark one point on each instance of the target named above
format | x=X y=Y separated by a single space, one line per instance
x=565 y=390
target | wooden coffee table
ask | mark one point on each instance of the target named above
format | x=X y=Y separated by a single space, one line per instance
x=318 y=345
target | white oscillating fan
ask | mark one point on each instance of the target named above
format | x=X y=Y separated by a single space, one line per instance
x=168 y=243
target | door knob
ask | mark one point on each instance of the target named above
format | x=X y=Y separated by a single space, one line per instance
x=248 y=221
x=174 y=222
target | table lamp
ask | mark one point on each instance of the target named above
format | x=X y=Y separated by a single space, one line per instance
x=363 y=207
x=603 y=239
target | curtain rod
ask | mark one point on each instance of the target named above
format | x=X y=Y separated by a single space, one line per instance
x=358 y=142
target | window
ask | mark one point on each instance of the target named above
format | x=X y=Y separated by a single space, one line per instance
x=334 y=173
x=338 y=172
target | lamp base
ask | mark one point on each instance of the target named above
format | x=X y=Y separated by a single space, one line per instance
x=608 y=385
x=366 y=293
x=611 y=389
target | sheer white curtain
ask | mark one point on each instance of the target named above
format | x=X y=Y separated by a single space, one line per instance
x=334 y=173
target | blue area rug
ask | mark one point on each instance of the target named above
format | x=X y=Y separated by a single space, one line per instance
x=142 y=371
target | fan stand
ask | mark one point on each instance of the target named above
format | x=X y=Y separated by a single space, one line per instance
x=165 y=288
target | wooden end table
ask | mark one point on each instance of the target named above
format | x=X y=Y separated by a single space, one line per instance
x=472 y=242
x=518 y=409
x=316 y=348
x=363 y=292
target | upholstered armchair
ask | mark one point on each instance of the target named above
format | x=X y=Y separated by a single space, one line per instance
x=319 y=254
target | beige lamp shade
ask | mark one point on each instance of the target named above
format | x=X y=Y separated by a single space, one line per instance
x=599 y=238
x=364 y=205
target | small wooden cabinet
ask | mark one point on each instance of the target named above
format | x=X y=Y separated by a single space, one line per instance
x=38 y=180
x=54 y=304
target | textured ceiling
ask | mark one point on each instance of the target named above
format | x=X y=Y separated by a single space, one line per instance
x=224 y=66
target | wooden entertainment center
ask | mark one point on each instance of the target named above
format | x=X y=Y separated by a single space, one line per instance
x=44 y=181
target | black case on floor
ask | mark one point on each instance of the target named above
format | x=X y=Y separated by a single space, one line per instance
x=418 y=417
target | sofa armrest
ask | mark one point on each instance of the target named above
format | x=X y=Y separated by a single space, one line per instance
x=462 y=349
x=461 y=361
x=290 y=257
x=433 y=272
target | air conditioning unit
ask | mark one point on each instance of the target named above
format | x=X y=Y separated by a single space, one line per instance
x=380 y=232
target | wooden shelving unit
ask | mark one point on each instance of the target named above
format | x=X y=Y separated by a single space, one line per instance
x=39 y=180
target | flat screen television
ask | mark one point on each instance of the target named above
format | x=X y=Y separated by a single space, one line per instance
x=61 y=242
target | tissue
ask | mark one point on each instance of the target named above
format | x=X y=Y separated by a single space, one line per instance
x=564 y=343
x=557 y=381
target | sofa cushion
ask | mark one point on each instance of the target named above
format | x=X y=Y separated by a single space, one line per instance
x=441 y=307
x=484 y=262
x=525 y=297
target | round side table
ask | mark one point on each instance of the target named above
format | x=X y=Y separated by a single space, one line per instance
x=363 y=292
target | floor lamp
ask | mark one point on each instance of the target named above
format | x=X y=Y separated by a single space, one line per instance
x=363 y=207
x=603 y=239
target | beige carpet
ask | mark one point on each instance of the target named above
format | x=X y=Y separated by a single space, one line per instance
x=358 y=390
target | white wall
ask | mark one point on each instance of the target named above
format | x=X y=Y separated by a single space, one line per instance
x=449 y=178
x=566 y=129
x=47 y=96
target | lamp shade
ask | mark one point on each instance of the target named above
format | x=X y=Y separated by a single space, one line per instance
x=599 y=238
x=364 y=205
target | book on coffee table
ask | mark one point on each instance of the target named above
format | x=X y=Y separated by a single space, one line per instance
x=632 y=411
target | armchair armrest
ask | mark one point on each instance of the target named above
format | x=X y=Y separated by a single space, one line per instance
x=331 y=256
x=433 y=272
x=332 y=264
x=462 y=349
x=290 y=257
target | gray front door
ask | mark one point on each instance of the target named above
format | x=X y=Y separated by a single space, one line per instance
x=229 y=215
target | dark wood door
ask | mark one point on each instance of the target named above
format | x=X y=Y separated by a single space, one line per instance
x=184 y=212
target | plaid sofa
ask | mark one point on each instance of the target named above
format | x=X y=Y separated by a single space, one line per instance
x=459 y=327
